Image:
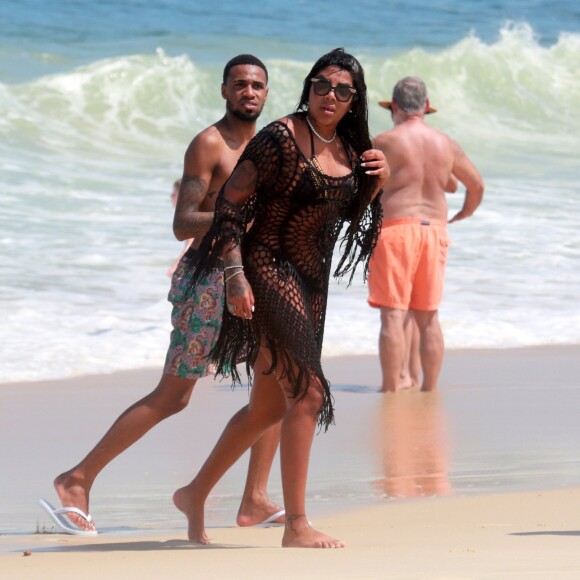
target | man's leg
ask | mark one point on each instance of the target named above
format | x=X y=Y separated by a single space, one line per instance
x=266 y=408
x=391 y=347
x=414 y=350
x=73 y=486
x=432 y=346
x=256 y=505
x=411 y=371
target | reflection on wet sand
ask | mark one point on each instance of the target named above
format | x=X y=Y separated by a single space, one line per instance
x=414 y=445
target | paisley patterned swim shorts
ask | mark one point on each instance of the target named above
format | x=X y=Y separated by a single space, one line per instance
x=196 y=318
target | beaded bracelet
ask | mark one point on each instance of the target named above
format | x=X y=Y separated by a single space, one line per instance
x=234 y=274
x=231 y=267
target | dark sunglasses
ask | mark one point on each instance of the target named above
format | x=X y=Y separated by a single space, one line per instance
x=322 y=87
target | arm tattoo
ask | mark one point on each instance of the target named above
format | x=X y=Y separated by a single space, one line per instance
x=194 y=189
x=188 y=219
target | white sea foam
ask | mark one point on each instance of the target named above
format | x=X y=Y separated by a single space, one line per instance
x=89 y=155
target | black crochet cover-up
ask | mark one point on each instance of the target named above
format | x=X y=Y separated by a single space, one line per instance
x=298 y=213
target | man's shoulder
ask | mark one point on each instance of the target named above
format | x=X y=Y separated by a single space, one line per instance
x=209 y=140
x=384 y=135
x=405 y=131
x=438 y=132
x=386 y=139
x=211 y=136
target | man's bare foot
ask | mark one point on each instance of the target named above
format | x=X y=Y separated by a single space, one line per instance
x=399 y=387
x=193 y=509
x=72 y=492
x=256 y=511
x=405 y=381
x=298 y=533
x=403 y=386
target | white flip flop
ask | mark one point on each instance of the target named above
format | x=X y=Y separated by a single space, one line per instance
x=58 y=516
x=271 y=520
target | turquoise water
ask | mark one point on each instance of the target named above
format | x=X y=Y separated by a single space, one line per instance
x=98 y=101
x=53 y=34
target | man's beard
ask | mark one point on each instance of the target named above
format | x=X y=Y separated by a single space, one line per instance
x=242 y=115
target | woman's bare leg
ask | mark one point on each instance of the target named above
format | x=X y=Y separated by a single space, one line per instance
x=296 y=438
x=266 y=408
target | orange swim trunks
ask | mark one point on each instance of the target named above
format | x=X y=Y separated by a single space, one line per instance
x=407 y=267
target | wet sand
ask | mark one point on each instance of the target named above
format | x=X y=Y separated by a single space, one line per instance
x=478 y=479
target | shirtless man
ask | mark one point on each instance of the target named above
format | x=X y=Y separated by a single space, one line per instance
x=407 y=267
x=196 y=317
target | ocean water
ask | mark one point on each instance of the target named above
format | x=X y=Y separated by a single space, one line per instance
x=98 y=101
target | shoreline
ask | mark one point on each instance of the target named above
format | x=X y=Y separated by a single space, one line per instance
x=545 y=350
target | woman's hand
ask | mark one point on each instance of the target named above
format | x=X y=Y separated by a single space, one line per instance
x=239 y=295
x=374 y=163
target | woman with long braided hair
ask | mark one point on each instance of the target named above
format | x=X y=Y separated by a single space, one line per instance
x=277 y=220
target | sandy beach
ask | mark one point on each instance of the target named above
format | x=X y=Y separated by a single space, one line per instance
x=480 y=480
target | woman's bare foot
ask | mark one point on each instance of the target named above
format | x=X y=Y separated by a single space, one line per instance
x=193 y=509
x=258 y=510
x=73 y=492
x=298 y=533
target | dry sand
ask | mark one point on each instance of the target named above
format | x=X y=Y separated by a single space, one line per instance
x=511 y=413
x=526 y=535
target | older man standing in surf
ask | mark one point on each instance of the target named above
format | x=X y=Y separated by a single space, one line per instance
x=407 y=267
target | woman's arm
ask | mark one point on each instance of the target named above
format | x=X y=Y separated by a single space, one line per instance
x=238 y=189
x=375 y=163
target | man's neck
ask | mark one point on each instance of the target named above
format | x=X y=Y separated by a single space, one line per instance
x=243 y=129
x=405 y=118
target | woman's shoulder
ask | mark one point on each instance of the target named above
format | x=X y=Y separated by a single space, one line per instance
x=275 y=138
x=282 y=128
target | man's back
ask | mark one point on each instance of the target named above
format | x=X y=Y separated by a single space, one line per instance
x=424 y=164
x=421 y=160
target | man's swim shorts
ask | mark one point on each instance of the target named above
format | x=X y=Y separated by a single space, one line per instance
x=407 y=267
x=196 y=318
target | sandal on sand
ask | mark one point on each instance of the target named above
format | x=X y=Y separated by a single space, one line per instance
x=58 y=516
x=271 y=520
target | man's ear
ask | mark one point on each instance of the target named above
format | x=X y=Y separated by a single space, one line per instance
x=223 y=91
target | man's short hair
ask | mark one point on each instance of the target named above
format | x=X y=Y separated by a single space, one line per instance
x=242 y=59
x=410 y=94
